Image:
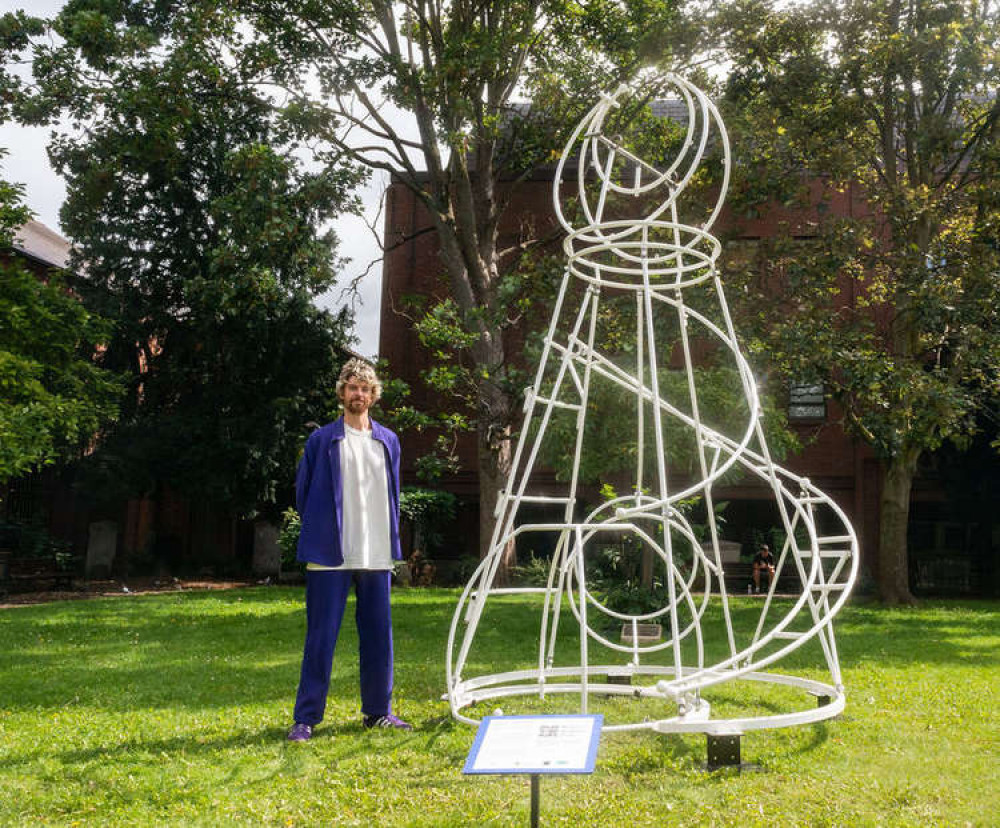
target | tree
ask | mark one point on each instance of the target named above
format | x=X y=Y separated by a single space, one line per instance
x=892 y=106
x=54 y=398
x=199 y=233
x=455 y=68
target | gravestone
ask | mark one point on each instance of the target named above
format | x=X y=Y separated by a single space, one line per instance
x=729 y=551
x=102 y=544
x=266 y=551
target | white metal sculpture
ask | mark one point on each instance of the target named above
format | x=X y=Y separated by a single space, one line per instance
x=669 y=267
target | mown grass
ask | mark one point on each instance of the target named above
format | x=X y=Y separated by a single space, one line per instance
x=171 y=710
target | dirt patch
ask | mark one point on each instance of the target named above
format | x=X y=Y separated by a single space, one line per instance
x=119 y=588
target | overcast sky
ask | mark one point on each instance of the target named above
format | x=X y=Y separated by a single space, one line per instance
x=28 y=164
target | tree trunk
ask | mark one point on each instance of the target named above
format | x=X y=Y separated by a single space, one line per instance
x=894 y=512
x=646 y=568
x=495 y=456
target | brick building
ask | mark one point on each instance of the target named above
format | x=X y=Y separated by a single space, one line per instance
x=951 y=550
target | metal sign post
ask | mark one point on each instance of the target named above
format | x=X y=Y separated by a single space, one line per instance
x=535 y=745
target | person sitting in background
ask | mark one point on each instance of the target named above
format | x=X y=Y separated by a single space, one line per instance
x=763 y=561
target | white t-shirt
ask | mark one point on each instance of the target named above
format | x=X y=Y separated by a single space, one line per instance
x=364 y=535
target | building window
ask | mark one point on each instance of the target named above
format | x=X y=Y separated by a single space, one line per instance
x=807 y=402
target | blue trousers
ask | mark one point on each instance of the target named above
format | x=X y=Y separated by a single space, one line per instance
x=326 y=598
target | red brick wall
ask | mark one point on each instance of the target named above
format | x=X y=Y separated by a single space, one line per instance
x=832 y=460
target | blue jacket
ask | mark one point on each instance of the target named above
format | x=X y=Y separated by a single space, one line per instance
x=319 y=495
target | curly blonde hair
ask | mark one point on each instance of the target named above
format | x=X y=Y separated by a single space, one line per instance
x=363 y=372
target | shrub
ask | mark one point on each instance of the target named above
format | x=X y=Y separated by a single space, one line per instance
x=288 y=539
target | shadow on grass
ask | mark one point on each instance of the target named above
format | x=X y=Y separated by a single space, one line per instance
x=933 y=634
x=945 y=634
x=190 y=651
x=351 y=738
x=215 y=650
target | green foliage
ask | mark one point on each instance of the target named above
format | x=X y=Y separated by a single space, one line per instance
x=611 y=441
x=876 y=122
x=464 y=569
x=533 y=572
x=31 y=540
x=202 y=233
x=894 y=309
x=441 y=329
x=455 y=70
x=607 y=492
x=615 y=570
x=54 y=398
x=610 y=436
x=288 y=538
x=443 y=332
x=775 y=538
x=426 y=506
x=13 y=211
x=395 y=410
x=429 y=511
x=616 y=581
x=632 y=598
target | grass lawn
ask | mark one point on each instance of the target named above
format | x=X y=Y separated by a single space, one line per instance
x=171 y=710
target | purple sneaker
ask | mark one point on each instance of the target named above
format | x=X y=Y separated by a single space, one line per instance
x=387 y=720
x=300 y=733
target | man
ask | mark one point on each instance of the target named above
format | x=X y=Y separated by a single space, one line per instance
x=347 y=494
x=763 y=561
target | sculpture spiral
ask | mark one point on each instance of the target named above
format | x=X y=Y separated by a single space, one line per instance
x=633 y=243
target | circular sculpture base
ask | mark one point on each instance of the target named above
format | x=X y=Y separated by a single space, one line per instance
x=693 y=714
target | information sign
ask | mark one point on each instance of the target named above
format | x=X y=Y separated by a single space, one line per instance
x=535 y=744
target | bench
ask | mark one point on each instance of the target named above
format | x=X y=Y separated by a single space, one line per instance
x=739 y=575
